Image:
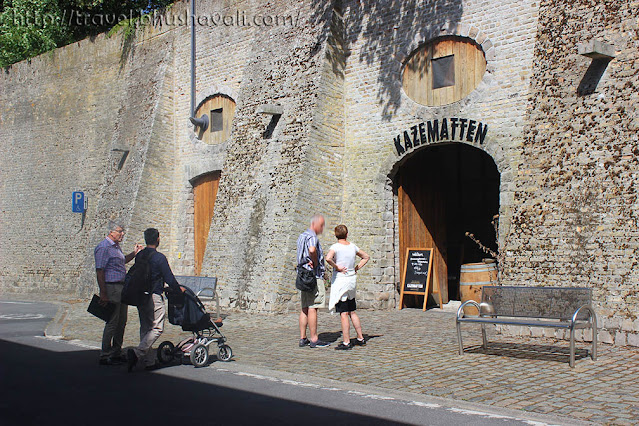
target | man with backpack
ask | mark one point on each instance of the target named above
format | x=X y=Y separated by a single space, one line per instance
x=152 y=271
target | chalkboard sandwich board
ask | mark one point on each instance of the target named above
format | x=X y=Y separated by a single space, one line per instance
x=416 y=278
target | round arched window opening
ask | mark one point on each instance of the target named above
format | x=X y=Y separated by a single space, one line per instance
x=444 y=71
x=220 y=110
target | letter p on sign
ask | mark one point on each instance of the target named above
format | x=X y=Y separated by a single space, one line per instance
x=78 y=202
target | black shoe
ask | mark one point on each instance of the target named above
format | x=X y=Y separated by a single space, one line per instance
x=106 y=361
x=118 y=360
x=358 y=342
x=304 y=342
x=152 y=367
x=344 y=347
x=319 y=344
x=132 y=359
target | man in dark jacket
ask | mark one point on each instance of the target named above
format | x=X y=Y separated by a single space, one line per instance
x=152 y=312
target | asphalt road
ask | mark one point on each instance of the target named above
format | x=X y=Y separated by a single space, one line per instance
x=51 y=382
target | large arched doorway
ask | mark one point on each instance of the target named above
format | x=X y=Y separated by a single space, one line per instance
x=443 y=192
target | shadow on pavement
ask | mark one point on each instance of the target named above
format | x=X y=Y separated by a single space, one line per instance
x=334 y=336
x=528 y=351
x=48 y=387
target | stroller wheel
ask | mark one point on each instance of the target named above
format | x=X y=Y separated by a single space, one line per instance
x=199 y=355
x=224 y=353
x=166 y=352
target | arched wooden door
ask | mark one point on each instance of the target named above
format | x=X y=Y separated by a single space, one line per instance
x=204 y=193
x=443 y=192
x=422 y=213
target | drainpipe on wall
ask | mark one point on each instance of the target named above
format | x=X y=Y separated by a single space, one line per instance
x=203 y=121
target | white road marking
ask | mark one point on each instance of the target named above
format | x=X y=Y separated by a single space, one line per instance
x=21 y=316
x=74 y=342
x=386 y=398
x=477 y=413
x=424 y=404
x=357 y=393
x=533 y=423
x=16 y=303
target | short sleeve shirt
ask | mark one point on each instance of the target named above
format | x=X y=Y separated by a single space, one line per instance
x=306 y=240
x=109 y=257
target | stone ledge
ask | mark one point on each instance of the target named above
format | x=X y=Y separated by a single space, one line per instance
x=596 y=49
x=271 y=109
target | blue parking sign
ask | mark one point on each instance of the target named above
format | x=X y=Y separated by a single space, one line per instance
x=77 y=202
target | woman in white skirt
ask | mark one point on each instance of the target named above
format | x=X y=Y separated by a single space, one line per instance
x=341 y=256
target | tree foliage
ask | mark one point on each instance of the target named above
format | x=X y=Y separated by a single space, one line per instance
x=31 y=27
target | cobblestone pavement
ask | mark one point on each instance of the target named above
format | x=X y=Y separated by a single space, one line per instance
x=415 y=351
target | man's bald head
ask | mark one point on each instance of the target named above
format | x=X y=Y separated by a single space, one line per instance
x=317 y=223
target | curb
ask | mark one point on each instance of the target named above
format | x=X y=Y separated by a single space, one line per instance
x=55 y=327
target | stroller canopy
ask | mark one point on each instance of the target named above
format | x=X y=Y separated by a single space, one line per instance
x=186 y=310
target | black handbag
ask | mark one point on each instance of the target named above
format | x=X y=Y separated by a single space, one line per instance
x=306 y=280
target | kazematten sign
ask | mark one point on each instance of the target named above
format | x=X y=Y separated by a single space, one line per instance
x=445 y=130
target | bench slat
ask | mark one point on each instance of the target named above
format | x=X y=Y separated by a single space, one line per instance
x=197 y=284
x=536 y=302
x=524 y=322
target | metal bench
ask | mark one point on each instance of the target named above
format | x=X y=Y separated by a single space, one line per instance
x=556 y=307
x=203 y=287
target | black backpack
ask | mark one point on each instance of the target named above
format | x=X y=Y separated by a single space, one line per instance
x=137 y=283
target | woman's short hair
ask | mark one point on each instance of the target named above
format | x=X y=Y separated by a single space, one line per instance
x=341 y=231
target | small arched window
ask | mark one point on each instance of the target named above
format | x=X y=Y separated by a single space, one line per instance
x=444 y=71
x=221 y=110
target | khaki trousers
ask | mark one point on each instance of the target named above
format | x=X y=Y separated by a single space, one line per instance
x=152 y=316
x=113 y=334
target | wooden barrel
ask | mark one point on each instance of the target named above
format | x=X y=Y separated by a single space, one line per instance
x=472 y=277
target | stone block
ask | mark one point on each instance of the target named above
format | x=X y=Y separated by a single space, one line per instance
x=620 y=338
x=605 y=337
x=270 y=109
x=596 y=49
x=587 y=335
x=383 y=296
x=627 y=325
x=633 y=339
x=537 y=332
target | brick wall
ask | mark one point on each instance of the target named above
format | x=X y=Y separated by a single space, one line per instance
x=575 y=215
x=261 y=206
x=65 y=116
x=568 y=162
x=381 y=36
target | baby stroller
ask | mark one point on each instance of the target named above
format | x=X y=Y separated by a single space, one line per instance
x=186 y=310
